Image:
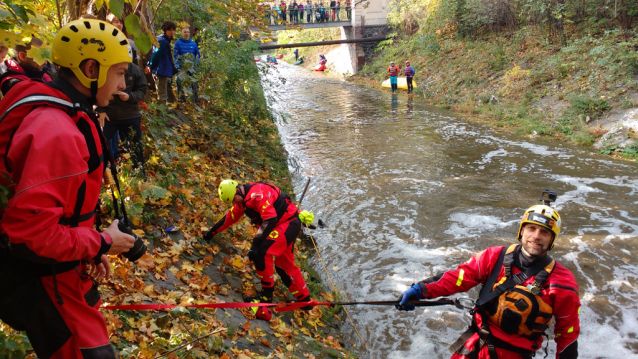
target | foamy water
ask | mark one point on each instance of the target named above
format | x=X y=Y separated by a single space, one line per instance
x=408 y=191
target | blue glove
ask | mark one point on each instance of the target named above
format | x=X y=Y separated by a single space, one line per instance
x=414 y=293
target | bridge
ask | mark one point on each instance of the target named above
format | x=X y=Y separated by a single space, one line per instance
x=360 y=34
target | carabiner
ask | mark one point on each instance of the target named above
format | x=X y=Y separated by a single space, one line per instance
x=464 y=303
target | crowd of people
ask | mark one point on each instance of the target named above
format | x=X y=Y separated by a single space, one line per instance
x=53 y=251
x=308 y=12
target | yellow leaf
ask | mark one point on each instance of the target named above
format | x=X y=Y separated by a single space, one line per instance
x=40 y=54
x=11 y=39
x=188 y=268
x=238 y=262
x=140 y=232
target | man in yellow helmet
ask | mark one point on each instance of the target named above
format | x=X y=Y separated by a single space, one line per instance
x=273 y=246
x=49 y=250
x=523 y=287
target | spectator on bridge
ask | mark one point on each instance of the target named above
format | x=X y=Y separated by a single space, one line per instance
x=318 y=13
x=292 y=10
x=308 y=8
x=324 y=13
x=282 y=7
x=333 y=10
x=348 y=9
x=300 y=7
x=266 y=8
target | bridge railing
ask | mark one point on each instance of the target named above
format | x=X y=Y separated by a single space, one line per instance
x=313 y=15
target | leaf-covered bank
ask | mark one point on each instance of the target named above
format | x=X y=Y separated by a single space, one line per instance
x=188 y=151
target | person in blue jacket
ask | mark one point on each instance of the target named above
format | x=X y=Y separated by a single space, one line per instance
x=185 y=47
x=408 y=71
x=161 y=63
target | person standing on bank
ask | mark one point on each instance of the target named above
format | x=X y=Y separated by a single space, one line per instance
x=278 y=220
x=408 y=71
x=523 y=287
x=393 y=70
x=48 y=248
x=184 y=46
x=161 y=63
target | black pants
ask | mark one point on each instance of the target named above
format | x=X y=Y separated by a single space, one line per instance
x=131 y=134
x=409 y=80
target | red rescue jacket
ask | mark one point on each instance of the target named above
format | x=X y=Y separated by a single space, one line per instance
x=11 y=69
x=55 y=163
x=559 y=291
x=263 y=201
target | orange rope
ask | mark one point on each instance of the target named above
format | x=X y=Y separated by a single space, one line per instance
x=335 y=289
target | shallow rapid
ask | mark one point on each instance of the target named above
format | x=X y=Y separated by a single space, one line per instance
x=407 y=191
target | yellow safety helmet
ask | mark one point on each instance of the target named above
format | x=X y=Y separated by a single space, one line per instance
x=227 y=190
x=544 y=216
x=85 y=39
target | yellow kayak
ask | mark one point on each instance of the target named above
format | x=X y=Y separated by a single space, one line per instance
x=402 y=83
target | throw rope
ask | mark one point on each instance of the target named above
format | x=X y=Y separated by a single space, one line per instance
x=334 y=288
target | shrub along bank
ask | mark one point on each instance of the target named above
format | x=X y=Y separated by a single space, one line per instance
x=521 y=81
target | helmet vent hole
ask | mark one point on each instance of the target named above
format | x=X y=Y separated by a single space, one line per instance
x=123 y=42
x=543 y=211
x=115 y=32
x=65 y=39
x=102 y=26
x=73 y=28
x=87 y=24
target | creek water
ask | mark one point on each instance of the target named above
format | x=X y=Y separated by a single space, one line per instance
x=407 y=191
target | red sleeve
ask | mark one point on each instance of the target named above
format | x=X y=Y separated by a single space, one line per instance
x=566 y=309
x=261 y=198
x=469 y=274
x=48 y=157
x=232 y=217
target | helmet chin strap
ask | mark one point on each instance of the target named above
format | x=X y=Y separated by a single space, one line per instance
x=93 y=99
